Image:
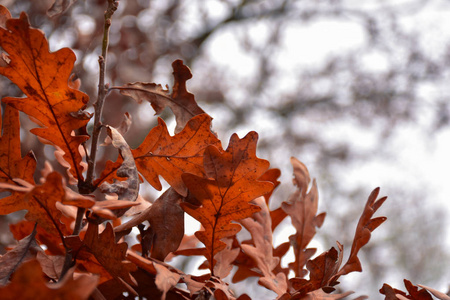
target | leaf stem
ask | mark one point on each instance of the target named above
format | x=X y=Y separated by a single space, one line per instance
x=87 y=187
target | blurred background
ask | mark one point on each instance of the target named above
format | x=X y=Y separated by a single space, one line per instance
x=357 y=90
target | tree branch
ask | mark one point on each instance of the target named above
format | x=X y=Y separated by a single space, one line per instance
x=87 y=187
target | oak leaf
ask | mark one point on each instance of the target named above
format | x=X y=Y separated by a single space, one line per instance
x=127 y=190
x=24 y=228
x=44 y=203
x=321 y=295
x=302 y=208
x=165 y=279
x=12 y=165
x=110 y=255
x=29 y=283
x=24 y=250
x=171 y=156
x=414 y=292
x=43 y=77
x=321 y=269
x=181 y=102
x=363 y=231
x=260 y=227
x=231 y=183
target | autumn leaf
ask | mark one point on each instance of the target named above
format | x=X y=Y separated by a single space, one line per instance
x=110 y=255
x=12 y=165
x=171 y=156
x=322 y=270
x=165 y=279
x=59 y=6
x=225 y=258
x=435 y=293
x=414 y=292
x=24 y=250
x=302 y=208
x=44 y=78
x=181 y=102
x=127 y=190
x=42 y=202
x=260 y=227
x=321 y=295
x=231 y=183
x=51 y=242
x=363 y=231
x=29 y=283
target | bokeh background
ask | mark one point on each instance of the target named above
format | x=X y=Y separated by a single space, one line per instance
x=357 y=90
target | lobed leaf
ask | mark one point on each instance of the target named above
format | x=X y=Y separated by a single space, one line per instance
x=260 y=227
x=12 y=165
x=233 y=181
x=29 y=283
x=14 y=257
x=181 y=102
x=44 y=78
x=110 y=255
x=363 y=231
x=302 y=208
x=170 y=156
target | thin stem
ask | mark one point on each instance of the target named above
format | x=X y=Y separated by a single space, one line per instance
x=87 y=186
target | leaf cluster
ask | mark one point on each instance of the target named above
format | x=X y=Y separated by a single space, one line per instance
x=71 y=241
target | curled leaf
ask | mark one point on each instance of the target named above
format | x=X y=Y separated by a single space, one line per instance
x=129 y=189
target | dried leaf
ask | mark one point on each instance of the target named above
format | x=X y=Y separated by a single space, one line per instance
x=166 y=218
x=225 y=259
x=126 y=190
x=302 y=208
x=52 y=242
x=44 y=78
x=362 y=235
x=260 y=227
x=12 y=165
x=4 y=15
x=435 y=293
x=322 y=269
x=321 y=295
x=181 y=102
x=225 y=197
x=109 y=254
x=165 y=279
x=29 y=283
x=171 y=156
x=59 y=7
x=24 y=250
x=122 y=129
x=51 y=265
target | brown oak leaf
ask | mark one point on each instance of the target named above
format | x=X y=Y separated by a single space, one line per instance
x=29 y=283
x=43 y=76
x=363 y=231
x=170 y=156
x=110 y=255
x=24 y=250
x=181 y=102
x=231 y=183
x=302 y=208
x=260 y=227
x=12 y=165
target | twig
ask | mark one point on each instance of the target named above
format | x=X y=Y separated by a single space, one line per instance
x=87 y=187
